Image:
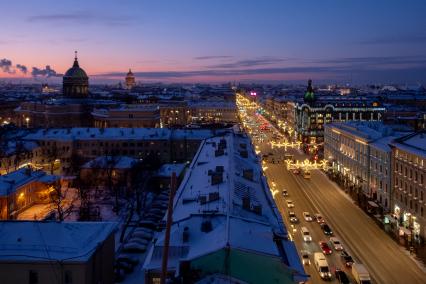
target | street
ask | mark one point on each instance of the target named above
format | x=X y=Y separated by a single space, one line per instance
x=385 y=260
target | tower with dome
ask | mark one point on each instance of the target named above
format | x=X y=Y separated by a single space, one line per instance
x=75 y=82
x=130 y=80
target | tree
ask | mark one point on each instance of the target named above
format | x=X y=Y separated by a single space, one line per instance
x=62 y=200
x=53 y=154
x=84 y=189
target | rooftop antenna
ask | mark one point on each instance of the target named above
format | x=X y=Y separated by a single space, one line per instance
x=75 y=52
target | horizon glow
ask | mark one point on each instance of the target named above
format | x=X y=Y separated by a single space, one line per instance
x=220 y=41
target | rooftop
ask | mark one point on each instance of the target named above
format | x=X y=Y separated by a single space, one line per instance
x=225 y=192
x=414 y=143
x=67 y=241
x=79 y=133
x=118 y=162
x=12 y=181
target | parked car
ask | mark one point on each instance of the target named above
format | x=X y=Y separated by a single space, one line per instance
x=341 y=276
x=346 y=258
x=134 y=247
x=293 y=218
x=319 y=218
x=305 y=257
x=307 y=216
x=335 y=242
x=326 y=229
x=284 y=192
x=290 y=204
x=325 y=247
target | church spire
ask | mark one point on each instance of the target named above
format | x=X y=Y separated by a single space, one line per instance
x=75 y=59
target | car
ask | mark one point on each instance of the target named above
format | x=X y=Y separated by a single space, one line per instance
x=326 y=229
x=296 y=171
x=284 y=192
x=336 y=244
x=293 y=218
x=325 y=247
x=346 y=258
x=305 y=234
x=319 y=218
x=307 y=216
x=305 y=257
x=341 y=276
x=290 y=204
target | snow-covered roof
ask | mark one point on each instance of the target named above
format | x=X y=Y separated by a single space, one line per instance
x=80 y=133
x=117 y=162
x=212 y=104
x=51 y=241
x=12 y=181
x=166 y=170
x=224 y=186
x=414 y=143
x=368 y=130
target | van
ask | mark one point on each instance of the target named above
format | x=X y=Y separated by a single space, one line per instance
x=321 y=266
x=360 y=273
x=305 y=234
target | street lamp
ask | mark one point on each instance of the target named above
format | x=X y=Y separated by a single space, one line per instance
x=27 y=119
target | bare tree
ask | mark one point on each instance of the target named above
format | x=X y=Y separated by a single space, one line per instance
x=62 y=200
x=53 y=153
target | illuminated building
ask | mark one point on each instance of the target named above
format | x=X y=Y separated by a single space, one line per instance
x=314 y=111
x=21 y=189
x=409 y=179
x=130 y=80
x=360 y=156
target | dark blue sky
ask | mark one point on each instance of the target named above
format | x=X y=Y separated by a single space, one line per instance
x=328 y=40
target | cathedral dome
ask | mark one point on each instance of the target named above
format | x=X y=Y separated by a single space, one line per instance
x=76 y=72
x=76 y=81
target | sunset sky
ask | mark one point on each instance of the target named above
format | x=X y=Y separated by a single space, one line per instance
x=220 y=40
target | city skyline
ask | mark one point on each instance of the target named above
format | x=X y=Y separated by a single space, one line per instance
x=277 y=41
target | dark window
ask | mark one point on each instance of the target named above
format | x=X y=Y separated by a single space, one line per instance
x=68 y=277
x=33 y=277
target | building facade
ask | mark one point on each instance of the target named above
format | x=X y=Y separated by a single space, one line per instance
x=360 y=157
x=23 y=188
x=409 y=178
x=127 y=116
x=63 y=148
